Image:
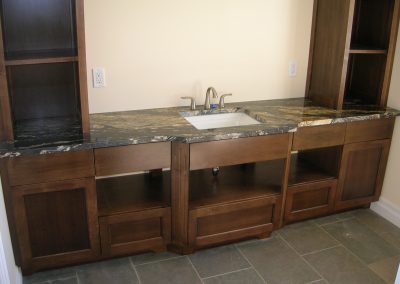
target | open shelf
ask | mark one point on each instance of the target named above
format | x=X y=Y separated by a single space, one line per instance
x=124 y=194
x=314 y=165
x=38 y=29
x=235 y=183
x=362 y=49
x=43 y=60
x=365 y=78
x=372 y=23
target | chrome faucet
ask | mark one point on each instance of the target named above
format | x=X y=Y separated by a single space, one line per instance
x=207 y=104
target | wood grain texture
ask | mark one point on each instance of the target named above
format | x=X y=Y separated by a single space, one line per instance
x=310 y=200
x=319 y=136
x=369 y=130
x=41 y=61
x=148 y=230
x=332 y=35
x=132 y=158
x=362 y=172
x=34 y=232
x=238 y=151
x=50 y=167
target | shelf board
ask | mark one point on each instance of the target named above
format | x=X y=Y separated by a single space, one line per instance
x=363 y=49
x=116 y=195
x=302 y=172
x=40 y=56
x=235 y=183
x=47 y=60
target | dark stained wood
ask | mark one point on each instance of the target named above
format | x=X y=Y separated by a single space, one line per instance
x=6 y=127
x=362 y=172
x=56 y=223
x=361 y=50
x=133 y=193
x=132 y=158
x=180 y=196
x=311 y=50
x=50 y=167
x=124 y=234
x=41 y=61
x=230 y=222
x=369 y=130
x=83 y=85
x=319 y=136
x=332 y=35
x=310 y=200
x=390 y=54
x=238 y=151
x=235 y=183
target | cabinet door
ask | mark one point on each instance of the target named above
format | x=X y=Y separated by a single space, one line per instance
x=56 y=223
x=361 y=175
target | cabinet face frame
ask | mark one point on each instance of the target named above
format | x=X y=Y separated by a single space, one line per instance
x=30 y=263
x=348 y=149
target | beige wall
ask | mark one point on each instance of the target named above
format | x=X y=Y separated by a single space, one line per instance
x=156 y=51
x=391 y=186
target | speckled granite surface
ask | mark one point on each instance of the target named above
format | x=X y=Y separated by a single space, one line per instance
x=168 y=124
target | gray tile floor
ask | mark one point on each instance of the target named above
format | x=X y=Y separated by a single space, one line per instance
x=353 y=247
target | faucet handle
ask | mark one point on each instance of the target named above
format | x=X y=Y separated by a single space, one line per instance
x=222 y=100
x=192 y=102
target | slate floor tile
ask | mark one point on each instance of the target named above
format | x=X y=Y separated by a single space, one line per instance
x=116 y=271
x=50 y=275
x=247 y=276
x=334 y=218
x=307 y=237
x=386 y=268
x=362 y=241
x=218 y=260
x=152 y=257
x=172 y=271
x=73 y=280
x=339 y=266
x=278 y=263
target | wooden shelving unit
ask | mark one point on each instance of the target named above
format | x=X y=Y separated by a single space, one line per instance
x=42 y=65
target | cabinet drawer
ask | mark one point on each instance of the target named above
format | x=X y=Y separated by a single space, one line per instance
x=128 y=233
x=238 y=151
x=132 y=158
x=319 y=136
x=225 y=223
x=310 y=200
x=51 y=167
x=369 y=130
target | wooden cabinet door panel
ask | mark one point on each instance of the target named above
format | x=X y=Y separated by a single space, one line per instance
x=361 y=175
x=56 y=223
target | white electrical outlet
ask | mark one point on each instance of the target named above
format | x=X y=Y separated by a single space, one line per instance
x=99 y=77
x=292 y=69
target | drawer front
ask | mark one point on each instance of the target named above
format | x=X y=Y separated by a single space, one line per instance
x=319 y=136
x=369 y=130
x=310 y=200
x=132 y=158
x=225 y=223
x=238 y=151
x=52 y=167
x=124 y=234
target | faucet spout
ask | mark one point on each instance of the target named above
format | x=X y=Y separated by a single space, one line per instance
x=207 y=104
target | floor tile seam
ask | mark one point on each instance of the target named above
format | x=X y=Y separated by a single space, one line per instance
x=195 y=270
x=227 y=273
x=338 y=221
x=321 y=250
x=305 y=260
x=359 y=259
x=251 y=264
x=157 y=261
x=135 y=270
x=77 y=277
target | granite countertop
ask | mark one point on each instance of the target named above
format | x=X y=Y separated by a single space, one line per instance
x=168 y=124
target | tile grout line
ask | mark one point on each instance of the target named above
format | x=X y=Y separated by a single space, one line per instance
x=157 y=261
x=77 y=277
x=353 y=254
x=251 y=265
x=227 y=273
x=134 y=269
x=330 y=223
x=309 y=264
x=195 y=270
x=321 y=250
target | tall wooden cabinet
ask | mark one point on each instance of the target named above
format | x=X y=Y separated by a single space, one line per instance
x=352 y=50
x=42 y=68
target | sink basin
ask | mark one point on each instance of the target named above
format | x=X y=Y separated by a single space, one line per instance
x=212 y=121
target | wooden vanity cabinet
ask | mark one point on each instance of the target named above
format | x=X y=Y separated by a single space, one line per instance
x=134 y=198
x=52 y=209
